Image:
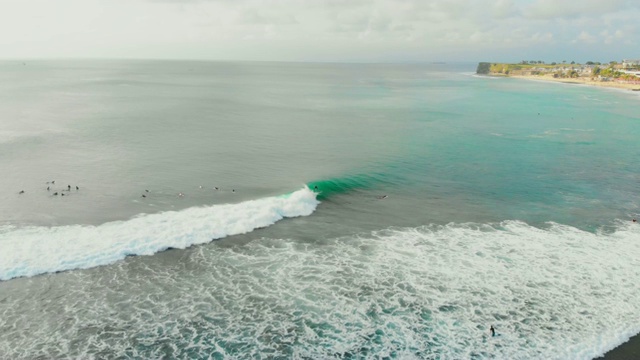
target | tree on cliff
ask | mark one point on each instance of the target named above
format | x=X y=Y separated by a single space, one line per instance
x=483 y=68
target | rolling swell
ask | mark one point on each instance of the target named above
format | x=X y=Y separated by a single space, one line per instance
x=36 y=250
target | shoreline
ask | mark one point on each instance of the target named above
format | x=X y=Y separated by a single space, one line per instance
x=581 y=81
x=626 y=351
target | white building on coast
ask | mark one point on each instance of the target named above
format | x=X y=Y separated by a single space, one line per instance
x=636 y=73
x=627 y=63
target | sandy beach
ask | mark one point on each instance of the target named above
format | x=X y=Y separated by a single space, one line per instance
x=582 y=81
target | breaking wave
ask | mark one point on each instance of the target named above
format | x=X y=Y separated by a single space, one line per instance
x=35 y=250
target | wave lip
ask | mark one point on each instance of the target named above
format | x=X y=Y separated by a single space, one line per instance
x=36 y=250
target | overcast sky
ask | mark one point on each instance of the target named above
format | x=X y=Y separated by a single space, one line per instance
x=322 y=30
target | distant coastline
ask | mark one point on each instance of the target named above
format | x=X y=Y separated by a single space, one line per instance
x=583 y=81
x=613 y=76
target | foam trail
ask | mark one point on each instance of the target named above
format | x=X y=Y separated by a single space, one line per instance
x=36 y=250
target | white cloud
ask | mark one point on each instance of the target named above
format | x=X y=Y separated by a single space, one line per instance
x=549 y=9
x=253 y=16
x=504 y=8
x=585 y=37
x=314 y=29
x=546 y=38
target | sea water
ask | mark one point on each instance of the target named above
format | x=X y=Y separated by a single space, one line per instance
x=313 y=211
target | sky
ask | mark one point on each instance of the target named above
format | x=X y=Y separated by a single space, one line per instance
x=322 y=30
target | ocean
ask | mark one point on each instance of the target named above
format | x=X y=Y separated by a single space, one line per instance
x=233 y=210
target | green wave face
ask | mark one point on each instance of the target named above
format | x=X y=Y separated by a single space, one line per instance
x=343 y=185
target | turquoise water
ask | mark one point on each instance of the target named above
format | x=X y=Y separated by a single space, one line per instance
x=508 y=203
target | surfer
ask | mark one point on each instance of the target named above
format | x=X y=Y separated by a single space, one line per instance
x=143 y=195
x=55 y=194
x=634 y=220
x=493 y=331
x=48 y=188
x=68 y=187
x=383 y=197
x=77 y=188
x=21 y=192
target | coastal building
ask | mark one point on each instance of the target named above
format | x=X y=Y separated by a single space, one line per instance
x=627 y=63
x=630 y=72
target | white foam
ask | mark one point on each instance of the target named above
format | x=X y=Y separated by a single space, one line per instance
x=429 y=292
x=554 y=293
x=489 y=77
x=36 y=250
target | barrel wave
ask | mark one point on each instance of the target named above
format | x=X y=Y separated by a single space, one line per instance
x=348 y=184
x=36 y=250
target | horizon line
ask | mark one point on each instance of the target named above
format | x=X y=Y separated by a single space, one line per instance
x=24 y=59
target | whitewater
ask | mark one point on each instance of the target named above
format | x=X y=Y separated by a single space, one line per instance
x=426 y=292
